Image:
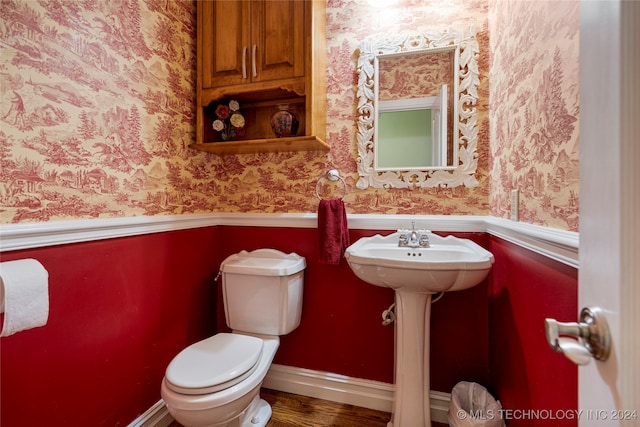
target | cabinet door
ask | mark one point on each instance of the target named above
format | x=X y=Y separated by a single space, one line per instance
x=277 y=39
x=225 y=31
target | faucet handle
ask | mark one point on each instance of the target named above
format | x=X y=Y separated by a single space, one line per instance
x=403 y=239
x=424 y=239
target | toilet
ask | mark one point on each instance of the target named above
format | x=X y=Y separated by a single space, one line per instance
x=216 y=382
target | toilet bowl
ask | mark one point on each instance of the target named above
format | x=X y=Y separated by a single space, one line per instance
x=239 y=404
x=216 y=382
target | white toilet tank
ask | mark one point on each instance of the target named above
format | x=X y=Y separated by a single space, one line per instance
x=262 y=291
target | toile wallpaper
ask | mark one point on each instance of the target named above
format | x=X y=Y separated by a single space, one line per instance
x=97 y=109
x=97 y=112
x=534 y=110
x=405 y=77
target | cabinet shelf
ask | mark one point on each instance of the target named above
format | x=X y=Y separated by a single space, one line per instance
x=295 y=143
x=267 y=53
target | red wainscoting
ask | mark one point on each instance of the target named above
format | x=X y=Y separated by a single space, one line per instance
x=341 y=329
x=532 y=381
x=120 y=310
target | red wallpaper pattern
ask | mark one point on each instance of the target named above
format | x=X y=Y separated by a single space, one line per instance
x=535 y=107
x=97 y=114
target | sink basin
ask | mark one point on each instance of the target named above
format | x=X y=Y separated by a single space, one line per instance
x=448 y=264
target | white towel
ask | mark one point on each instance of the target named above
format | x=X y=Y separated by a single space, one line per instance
x=24 y=295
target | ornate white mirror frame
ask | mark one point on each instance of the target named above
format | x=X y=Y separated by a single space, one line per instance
x=466 y=161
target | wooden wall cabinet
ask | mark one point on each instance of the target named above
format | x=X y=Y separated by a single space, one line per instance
x=262 y=54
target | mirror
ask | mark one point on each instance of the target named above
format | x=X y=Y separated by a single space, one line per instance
x=417 y=122
x=412 y=107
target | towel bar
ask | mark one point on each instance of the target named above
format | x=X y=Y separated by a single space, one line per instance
x=333 y=175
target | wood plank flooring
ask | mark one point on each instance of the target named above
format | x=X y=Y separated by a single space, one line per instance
x=292 y=410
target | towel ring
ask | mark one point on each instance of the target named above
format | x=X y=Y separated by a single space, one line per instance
x=333 y=175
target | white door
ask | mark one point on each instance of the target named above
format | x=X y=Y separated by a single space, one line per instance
x=609 y=277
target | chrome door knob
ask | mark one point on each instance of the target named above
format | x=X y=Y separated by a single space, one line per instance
x=589 y=338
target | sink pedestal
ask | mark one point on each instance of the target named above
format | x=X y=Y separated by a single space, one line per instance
x=411 y=406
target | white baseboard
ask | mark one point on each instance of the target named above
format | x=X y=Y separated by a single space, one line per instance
x=321 y=385
x=334 y=387
x=343 y=389
x=156 y=416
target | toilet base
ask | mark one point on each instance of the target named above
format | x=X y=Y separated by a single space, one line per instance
x=258 y=414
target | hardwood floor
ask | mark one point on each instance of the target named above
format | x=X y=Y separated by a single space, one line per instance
x=292 y=410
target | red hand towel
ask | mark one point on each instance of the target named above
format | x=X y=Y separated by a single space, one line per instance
x=333 y=231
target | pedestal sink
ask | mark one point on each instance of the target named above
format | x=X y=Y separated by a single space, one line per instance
x=416 y=273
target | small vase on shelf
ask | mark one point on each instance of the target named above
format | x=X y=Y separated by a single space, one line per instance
x=284 y=122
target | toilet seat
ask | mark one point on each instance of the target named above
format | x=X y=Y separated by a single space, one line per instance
x=214 y=364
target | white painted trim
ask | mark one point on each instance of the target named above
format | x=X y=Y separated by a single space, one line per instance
x=439 y=403
x=288 y=220
x=556 y=244
x=41 y=234
x=408 y=104
x=343 y=389
x=156 y=416
x=334 y=387
x=468 y=223
x=461 y=223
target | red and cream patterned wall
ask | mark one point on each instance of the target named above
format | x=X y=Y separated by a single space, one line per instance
x=97 y=108
x=534 y=110
x=97 y=114
x=348 y=24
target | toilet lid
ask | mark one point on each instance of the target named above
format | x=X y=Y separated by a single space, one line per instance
x=214 y=364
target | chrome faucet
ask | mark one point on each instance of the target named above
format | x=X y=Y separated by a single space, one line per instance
x=414 y=238
x=414 y=235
